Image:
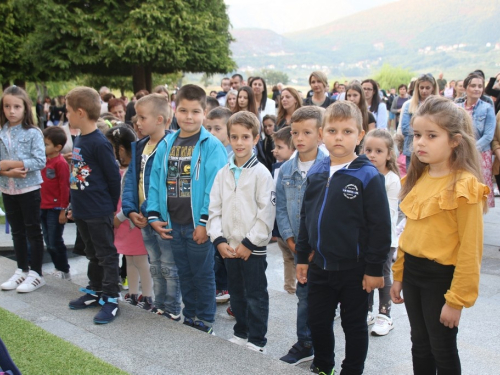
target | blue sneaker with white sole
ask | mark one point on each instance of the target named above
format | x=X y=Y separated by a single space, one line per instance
x=89 y=299
x=108 y=311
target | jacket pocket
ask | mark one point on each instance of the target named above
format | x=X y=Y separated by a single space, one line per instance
x=50 y=173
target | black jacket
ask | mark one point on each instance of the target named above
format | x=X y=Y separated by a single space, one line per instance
x=326 y=103
x=346 y=218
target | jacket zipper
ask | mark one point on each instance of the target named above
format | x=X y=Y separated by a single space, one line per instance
x=319 y=221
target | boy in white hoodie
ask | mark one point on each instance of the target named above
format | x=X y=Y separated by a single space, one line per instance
x=241 y=219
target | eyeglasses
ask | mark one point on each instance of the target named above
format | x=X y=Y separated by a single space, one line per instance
x=367 y=89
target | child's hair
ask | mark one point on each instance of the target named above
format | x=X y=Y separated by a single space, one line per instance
x=211 y=103
x=383 y=134
x=28 y=120
x=309 y=112
x=284 y=135
x=415 y=99
x=247 y=119
x=85 y=98
x=56 y=135
x=231 y=92
x=362 y=103
x=159 y=105
x=399 y=139
x=251 y=101
x=342 y=111
x=121 y=136
x=269 y=117
x=221 y=113
x=298 y=103
x=191 y=92
x=375 y=98
x=455 y=121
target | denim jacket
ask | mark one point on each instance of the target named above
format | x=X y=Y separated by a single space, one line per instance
x=483 y=117
x=406 y=129
x=26 y=145
x=290 y=189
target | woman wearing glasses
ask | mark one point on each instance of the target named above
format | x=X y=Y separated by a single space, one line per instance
x=425 y=86
x=375 y=104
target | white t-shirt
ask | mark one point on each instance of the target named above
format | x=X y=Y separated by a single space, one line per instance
x=304 y=167
x=335 y=168
x=393 y=187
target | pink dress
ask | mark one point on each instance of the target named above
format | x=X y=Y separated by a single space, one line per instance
x=128 y=238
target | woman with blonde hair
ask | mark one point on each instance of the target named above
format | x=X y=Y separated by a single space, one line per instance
x=319 y=84
x=231 y=97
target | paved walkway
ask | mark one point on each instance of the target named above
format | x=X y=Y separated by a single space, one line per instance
x=142 y=343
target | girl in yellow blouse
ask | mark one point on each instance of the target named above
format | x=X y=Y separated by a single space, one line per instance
x=440 y=250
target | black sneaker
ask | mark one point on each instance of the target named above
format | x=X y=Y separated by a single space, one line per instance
x=108 y=311
x=315 y=370
x=199 y=325
x=188 y=322
x=171 y=316
x=146 y=303
x=298 y=353
x=89 y=299
x=133 y=299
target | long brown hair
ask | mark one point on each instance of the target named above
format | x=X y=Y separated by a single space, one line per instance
x=455 y=121
x=251 y=107
x=28 y=121
x=281 y=110
x=362 y=102
x=383 y=134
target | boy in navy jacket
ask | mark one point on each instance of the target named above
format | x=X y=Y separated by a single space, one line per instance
x=345 y=234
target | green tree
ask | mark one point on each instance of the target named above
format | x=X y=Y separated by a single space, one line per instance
x=130 y=37
x=273 y=77
x=390 y=76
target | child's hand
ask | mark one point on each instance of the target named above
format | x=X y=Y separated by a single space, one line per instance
x=68 y=156
x=62 y=217
x=138 y=219
x=226 y=251
x=291 y=244
x=16 y=173
x=301 y=273
x=243 y=252
x=200 y=234
x=159 y=227
x=70 y=215
x=116 y=222
x=450 y=317
x=371 y=283
x=396 y=288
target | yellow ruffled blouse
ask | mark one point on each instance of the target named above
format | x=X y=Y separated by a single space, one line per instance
x=445 y=224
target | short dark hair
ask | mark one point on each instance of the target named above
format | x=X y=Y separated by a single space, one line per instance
x=470 y=77
x=401 y=86
x=191 y=92
x=222 y=113
x=237 y=75
x=269 y=117
x=56 y=135
x=284 y=135
x=212 y=102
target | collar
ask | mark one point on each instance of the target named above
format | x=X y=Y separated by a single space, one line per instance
x=248 y=164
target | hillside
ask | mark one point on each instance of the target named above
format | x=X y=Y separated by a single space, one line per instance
x=451 y=35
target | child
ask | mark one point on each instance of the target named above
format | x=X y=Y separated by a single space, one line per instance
x=290 y=188
x=440 y=250
x=153 y=118
x=22 y=157
x=216 y=124
x=241 y=218
x=345 y=234
x=55 y=200
x=128 y=237
x=95 y=190
x=183 y=172
x=379 y=149
x=399 y=140
x=268 y=124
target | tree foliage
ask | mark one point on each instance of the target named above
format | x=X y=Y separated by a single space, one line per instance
x=390 y=76
x=273 y=77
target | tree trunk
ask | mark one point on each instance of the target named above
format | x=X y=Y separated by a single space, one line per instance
x=41 y=90
x=148 y=78
x=142 y=78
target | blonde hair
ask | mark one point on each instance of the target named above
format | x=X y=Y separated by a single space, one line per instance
x=415 y=99
x=320 y=76
x=456 y=122
x=85 y=98
x=245 y=118
x=159 y=105
x=383 y=134
x=342 y=111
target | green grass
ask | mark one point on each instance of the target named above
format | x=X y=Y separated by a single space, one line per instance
x=36 y=351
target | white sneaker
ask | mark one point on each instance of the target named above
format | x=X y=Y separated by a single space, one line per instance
x=16 y=280
x=62 y=275
x=238 y=340
x=383 y=325
x=256 y=348
x=32 y=282
x=370 y=319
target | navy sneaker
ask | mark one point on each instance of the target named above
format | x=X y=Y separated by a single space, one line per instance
x=108 y=311
x=199 y=325
x=316 y=370
x=89 y=299
x=298 y=353
x=173 y=317
x=188 y=322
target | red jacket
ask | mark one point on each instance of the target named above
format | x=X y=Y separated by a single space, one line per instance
x=55 y=187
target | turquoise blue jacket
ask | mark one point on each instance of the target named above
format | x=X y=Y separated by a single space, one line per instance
x=209 y=155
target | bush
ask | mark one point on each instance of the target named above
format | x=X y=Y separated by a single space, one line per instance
x=390 y=76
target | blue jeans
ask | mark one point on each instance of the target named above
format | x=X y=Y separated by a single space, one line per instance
x=249 y=298
x=163 y=271
x=220 y=271
x=195 y=264
x=303 y=330
x=53 y=236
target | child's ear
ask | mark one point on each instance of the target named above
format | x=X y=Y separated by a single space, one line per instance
x=455 y=141
x=320 y=131
x=257 y=137
x=159 y=120
x=360 y=136
x=58 y=148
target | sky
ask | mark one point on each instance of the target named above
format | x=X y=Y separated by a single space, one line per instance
x=284 y=16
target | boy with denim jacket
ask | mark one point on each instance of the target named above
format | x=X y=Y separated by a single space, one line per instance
x=183 y=172
x=344 y=239
x=290 y=188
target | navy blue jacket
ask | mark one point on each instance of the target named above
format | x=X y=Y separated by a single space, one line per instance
x=345 y=219
x=130 y=197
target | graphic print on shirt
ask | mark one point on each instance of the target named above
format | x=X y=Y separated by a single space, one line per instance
x=80 y=171
x=179 y=172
